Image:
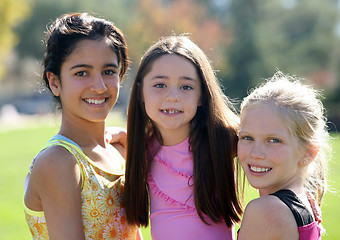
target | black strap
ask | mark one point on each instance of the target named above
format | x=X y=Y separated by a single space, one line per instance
x=301 y=214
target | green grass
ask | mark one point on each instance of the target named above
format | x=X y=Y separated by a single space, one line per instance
x=18 y=147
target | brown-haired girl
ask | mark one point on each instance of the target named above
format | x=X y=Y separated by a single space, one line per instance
x=181 y=144
x=74 y=188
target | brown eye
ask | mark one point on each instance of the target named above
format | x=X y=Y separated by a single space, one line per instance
x=160 y=85
x=81 y=74
x=109 y=72
x=186 y=87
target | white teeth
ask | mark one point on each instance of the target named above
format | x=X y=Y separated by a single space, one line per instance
x=170 y=111
x=258 y=169
x=94 y=101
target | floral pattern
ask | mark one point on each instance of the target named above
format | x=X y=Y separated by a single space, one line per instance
x=102 y=208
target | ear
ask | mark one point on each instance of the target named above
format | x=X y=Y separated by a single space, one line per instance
x=311 y=152
x=54 y=83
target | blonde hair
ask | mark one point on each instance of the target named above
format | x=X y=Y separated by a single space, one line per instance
x=300 y=108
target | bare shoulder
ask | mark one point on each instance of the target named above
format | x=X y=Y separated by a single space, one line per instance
x=269 y=206
x=55 y=174
x=54 y=166
x=268 y=218
x=54 y=159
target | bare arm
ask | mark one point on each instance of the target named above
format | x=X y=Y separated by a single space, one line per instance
x=268 y=218
x=56 y=180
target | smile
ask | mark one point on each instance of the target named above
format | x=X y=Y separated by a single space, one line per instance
x=170 y=111
x=95 y=101
x=259 y=169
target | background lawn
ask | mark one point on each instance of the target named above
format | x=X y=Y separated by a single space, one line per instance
x=18 y=146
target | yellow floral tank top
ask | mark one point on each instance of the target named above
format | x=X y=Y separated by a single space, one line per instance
x=102 y=206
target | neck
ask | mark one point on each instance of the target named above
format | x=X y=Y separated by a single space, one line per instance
x=296 y=187
x=170 y=139
x=84 y=133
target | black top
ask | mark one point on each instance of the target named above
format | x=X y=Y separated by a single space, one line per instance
x=301 y=214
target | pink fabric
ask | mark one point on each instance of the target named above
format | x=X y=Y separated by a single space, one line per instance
x=311 y=231
x=173 y=213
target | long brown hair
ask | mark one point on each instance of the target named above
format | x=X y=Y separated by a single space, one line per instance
x=213 y=141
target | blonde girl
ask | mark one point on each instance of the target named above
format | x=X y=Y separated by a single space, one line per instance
x=282 y=149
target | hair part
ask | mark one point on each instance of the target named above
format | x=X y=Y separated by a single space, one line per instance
x=215 y=124
x=300 y=107
x=68 y=30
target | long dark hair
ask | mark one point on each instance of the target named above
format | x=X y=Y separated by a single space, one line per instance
x=213 y=141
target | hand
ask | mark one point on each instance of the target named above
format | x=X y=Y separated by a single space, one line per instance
x=116 y=135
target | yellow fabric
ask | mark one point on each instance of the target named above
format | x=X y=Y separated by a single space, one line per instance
x=102 y=207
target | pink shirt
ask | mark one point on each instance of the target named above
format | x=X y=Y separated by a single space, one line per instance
x=173 y=213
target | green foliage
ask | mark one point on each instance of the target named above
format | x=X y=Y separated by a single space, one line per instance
x=46 y=11
x=299 y=39
x=243 y=55
x=11 y=14
x=246 y=40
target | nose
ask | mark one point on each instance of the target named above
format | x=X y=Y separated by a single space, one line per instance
x=257 y=151
x=172 y=95
x=98 y=84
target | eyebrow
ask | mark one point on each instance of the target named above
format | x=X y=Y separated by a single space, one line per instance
x=165 y=77
x=90 y=66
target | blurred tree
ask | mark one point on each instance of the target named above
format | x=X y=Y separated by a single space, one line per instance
x=32 y=30
x=46 y=11
x=245 y=39
x=152 y=19
x=244 y=62
x=11 y=14
x=297 y=36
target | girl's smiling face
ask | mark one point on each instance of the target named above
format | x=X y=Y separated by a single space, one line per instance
x=171 y=94
x=267 y=151
x=89 y=81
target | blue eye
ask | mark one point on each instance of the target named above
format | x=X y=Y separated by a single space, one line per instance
x=247 y=138
x=274 y=140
